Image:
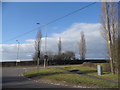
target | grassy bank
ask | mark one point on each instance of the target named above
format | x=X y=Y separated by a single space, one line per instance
x=92 y=71
x=56 y=74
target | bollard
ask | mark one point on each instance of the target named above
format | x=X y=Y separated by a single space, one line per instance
x=99 y=69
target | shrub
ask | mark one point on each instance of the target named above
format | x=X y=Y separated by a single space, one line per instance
x=89 y=64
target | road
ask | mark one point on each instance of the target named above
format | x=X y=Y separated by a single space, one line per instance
x=11 y=78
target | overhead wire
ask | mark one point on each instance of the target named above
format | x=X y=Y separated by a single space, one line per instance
x=53 y=21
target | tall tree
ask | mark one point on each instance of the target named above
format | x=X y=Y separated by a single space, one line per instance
x=82 y=46
x=59 y=46
x=110 y=32
x=38 y=46
x=119 y=38
x=35 y=56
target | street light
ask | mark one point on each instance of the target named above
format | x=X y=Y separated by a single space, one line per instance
x=45 y=56
x=17 y=52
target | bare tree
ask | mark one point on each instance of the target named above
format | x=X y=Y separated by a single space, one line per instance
x=69 y=55
x=35 y=56
x=82 y=46
x=119 y=51
x=110 y=32
x=59 y=46
x=38 y=46
x=50 y=55
x=119 y=39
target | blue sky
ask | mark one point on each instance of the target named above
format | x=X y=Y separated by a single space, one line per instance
x=20 y=17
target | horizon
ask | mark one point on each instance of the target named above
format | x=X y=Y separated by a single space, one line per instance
x=33 y=60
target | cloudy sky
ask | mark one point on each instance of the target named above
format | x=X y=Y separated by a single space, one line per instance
x=19 y=18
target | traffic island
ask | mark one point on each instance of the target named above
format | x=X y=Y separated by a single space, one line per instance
x=69 y=78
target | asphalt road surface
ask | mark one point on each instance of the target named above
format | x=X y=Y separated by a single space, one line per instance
x=11 y=79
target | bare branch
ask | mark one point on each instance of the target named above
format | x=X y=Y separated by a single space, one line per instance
x=82 y=46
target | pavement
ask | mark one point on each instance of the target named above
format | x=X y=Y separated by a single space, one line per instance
x=11 y=78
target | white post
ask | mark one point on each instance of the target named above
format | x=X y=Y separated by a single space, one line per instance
x=99 y=68
x=44 y=62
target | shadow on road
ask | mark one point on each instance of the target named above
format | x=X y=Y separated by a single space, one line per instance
x=12 y=79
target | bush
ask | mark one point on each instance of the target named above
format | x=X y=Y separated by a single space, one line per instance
x=89 y=64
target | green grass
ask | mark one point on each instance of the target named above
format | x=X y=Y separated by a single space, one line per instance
x=92 y=71
x=57 y=74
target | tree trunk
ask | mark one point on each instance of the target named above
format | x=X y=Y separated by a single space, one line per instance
x=109 y=38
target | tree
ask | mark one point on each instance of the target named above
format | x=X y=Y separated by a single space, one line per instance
x=119 y=53
x=82 y=46
x=50 y=55
x=35 y=56
x=69 y=55
x=59 y=56
x=118 y=38
x=59 y=46
x=38 y=46
x=110 y=32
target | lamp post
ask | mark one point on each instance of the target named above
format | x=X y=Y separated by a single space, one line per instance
x=17 y=52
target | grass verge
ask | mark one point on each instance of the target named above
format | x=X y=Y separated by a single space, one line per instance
x=56 y=74
x=92 y=71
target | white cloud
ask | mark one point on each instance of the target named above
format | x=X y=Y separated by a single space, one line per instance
x=70 y=39
x=94 y=40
